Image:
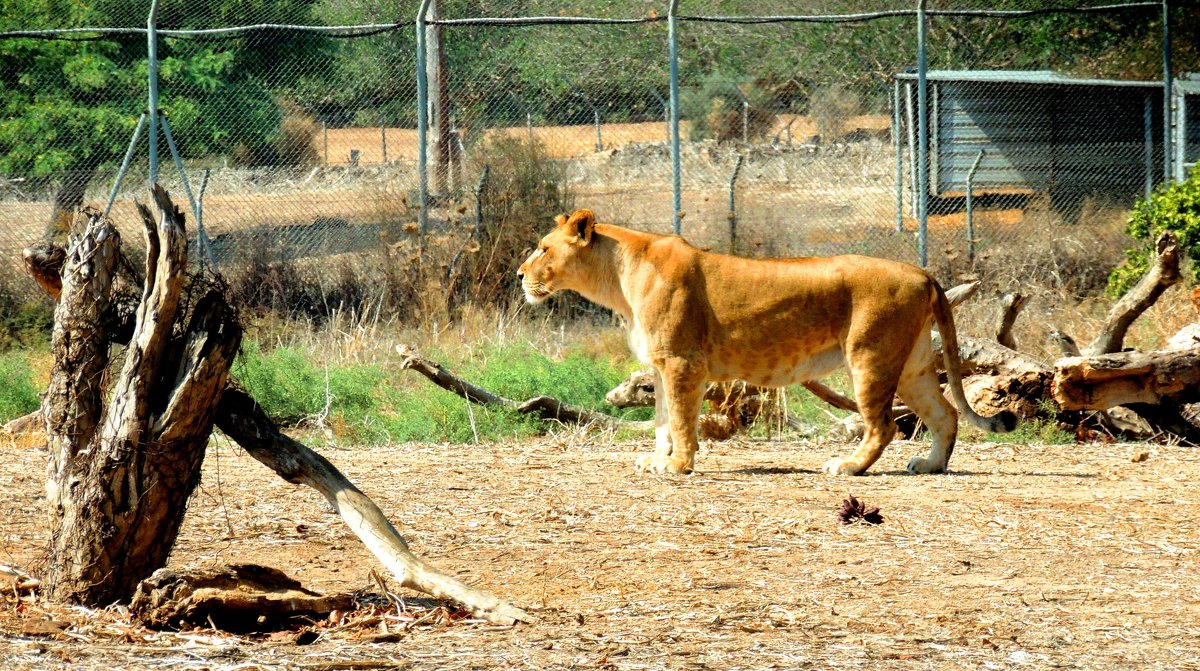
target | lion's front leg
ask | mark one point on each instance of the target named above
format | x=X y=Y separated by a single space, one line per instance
x=678 y=393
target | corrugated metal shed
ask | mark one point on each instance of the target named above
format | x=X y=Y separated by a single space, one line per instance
x=1187 y=125
x=1040 y=131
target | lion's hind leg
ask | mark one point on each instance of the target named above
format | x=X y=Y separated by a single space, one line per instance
x=921 y=391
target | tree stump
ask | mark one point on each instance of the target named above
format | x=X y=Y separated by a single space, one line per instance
x=120 y=473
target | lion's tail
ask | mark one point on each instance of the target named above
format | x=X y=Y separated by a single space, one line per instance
x=1002 y=422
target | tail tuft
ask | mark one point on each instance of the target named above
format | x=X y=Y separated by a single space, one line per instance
x=1004 y=421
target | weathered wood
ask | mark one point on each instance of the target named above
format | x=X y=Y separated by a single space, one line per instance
x=120 y=475
x=1011 y=305
x=956 y=295
x=1023 y=394
x=1123 y=378
x=240 y=418
x=544 y=407
x=985 y=356
x=237 y=598
x=1185 y=338
x=1161 y=276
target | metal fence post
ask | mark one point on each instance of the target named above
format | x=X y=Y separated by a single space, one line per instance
x=971 y=208
x=673 y=56
x=737 y=169
x=152 y=68
x=899 y=174
x=112 y=195
x=1168 y=118
x=422 y=123
x=922 y=143
x=1148 y=144
x=666 y=108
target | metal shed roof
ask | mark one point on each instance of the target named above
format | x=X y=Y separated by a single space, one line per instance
x=1042 y=77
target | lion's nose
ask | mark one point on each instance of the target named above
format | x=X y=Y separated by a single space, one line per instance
x=520 y=276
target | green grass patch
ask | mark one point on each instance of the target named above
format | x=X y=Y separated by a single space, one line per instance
x=368 y=404
x=18 y=393
x=1034 y=432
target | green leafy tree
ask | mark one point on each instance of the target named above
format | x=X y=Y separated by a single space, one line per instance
x=69 y=106
x=1172 y=207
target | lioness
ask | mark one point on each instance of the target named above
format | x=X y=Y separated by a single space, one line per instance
x=696 y=316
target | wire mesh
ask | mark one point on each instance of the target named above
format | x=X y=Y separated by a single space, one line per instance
x=299 y=119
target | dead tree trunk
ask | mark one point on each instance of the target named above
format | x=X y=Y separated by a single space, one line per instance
x=1164 y=274
x=120 y=475
x=98 y=308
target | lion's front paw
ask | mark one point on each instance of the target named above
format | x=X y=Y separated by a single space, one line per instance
x=839 y=466
x=663 y=463
x=921 y=466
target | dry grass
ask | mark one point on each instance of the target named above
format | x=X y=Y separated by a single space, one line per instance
x=1024 y=557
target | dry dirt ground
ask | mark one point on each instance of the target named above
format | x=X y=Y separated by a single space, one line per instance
x=1024 y=557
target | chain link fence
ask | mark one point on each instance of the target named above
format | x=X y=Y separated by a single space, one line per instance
x=297 y=127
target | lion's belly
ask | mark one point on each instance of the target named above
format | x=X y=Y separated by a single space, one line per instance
x=769 y=368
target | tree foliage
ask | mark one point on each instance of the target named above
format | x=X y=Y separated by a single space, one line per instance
x=1172 y=207
x=73 y=103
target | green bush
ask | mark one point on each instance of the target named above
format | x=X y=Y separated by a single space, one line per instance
x=1172 y=207
x=18 y=395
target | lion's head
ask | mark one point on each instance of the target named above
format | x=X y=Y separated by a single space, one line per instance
x=556 y=262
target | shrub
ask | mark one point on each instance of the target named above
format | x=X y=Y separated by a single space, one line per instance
x=717 y=110
x=283 y=381
x=831 y=108
x=1172 y=207
x=297 y=131
x=524 y=190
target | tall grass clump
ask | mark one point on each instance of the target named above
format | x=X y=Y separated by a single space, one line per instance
x=18 y=394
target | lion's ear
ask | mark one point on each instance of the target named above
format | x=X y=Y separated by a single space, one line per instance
x=560 y=219
x=581 y=224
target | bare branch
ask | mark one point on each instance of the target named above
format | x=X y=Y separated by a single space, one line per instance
x=1162 y=275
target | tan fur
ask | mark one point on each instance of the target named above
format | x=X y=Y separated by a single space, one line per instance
x=696 y=317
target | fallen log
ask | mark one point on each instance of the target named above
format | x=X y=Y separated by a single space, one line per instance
x=543 y=407
x=240 y=418
x=237 y=598
x=1123 y=378
x=980 y=356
